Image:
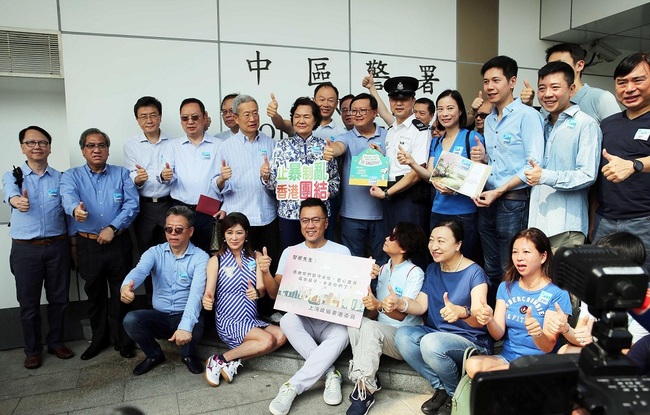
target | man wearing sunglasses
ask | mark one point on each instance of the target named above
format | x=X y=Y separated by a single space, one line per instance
x=178 y=271
x=103 y=201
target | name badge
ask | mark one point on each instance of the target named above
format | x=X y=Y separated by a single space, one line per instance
x=642 y=134
x=398 y=290
x=458 y=150
x=572 y=124
x=545 y=297
x=205 y=155
x=507 y=139
x=251 y=265
x=52 y=192
x=263 y=152
x=117 y=197
x=316 y=149
x=183 y=277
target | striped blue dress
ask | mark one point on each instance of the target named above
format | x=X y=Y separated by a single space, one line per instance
x=236 y=315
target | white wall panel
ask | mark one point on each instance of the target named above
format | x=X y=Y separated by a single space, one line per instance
x=29 y=14
x=412 y=28
x=196 y=19
x=307 y=23
x=519 y=33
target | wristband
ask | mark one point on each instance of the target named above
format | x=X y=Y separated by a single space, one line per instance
x=113 y=227
x=406 y=307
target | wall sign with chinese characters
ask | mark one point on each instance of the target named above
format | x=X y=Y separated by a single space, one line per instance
x=325 y=286
x=297 y=181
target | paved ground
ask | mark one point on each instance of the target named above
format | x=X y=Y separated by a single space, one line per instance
x=101 y=384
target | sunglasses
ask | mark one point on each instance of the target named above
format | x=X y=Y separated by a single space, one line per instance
x=481 y=115
x=193 y=117
x=174 y=231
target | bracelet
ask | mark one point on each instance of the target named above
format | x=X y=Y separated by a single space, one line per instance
x=406 y=307
x=258 y=293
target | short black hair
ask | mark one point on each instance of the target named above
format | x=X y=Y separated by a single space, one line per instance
x=229 y=96
x=505 y=63
x=430 y=105
x=323 y=85
x=455 y=95
x=410 y=237
x=346 y=97
x=628 y=246
x=315 y=110
x=21 y=134
x=628 y=64
x=311 y=202
x=193 y=101
x=184 y=211
x=557 y=67
x=577 y=53
x=90 y=131
x=147 y=101
x=457 y=229
x=365 y=95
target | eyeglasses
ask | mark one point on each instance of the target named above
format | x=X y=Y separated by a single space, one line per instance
x=316 y=221
x=481 y=115
x=247 y=115
x=226 y=112
x=361 y=111
x=174 y=231
x=193 y=117
x=345 y=110
x=32 y=144
x=92 y=146
x=146 y=117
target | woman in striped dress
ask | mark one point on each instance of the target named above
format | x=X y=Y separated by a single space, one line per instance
x=237 y=274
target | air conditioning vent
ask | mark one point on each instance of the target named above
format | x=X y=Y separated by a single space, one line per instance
x=29 y=54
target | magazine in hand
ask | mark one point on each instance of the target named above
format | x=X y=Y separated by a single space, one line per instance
x=460 y=174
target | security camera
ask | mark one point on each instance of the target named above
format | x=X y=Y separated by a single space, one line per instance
x=603 y=51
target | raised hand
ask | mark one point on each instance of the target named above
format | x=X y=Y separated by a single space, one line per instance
x=533 y=327
x=617 y=169
x=328 y=151
x=272 y=108
x=403 y=157
x=226 y=171
x=263 y=260
x=556 y=322
x=484 y=314
x=208 y=300
x=478 y=101
x=265 y=169
x=127 y=295
x=370 y=301
x=477 y=152
x=251 y=292
x=534 y=175
x=141 y=175
x=167 y=173
x=368 y=81
x=450 y=312
x=582 y=332
x=390 y=301
x=527 y=94
x=20 y=202
x=374 y=273
x=80 y=214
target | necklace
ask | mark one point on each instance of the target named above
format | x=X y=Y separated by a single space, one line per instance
x=531 y=286
x=457 y=265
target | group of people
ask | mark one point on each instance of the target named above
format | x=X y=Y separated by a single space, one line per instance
x=569 y=173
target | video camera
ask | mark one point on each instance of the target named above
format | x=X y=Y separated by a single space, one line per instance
x=600 y=379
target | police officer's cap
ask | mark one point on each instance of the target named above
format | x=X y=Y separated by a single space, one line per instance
x=401 y=86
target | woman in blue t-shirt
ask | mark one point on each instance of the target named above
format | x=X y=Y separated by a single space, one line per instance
x=448 y=204
x=523 y=299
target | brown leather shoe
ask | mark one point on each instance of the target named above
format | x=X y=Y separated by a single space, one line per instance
x=62 y=352
x=33 y=361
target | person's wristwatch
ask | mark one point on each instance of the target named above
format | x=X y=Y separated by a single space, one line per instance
x=113 y=227
x=638 y=166
x=386 y=195
x=468 y=312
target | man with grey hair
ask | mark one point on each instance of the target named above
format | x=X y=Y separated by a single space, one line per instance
x=103 y=201
x=243 y=158
x=228 y=117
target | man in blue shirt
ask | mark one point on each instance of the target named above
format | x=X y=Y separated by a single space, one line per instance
x=178 y=270
x=40 y=251
x=103 y=201
x=514 y=135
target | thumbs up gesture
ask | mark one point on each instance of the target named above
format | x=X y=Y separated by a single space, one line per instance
x=534 y=174
x=450 y=312
x=556 y=321
x=20 y=202
x=527 y=94
x=251 y=292
x=272 y=108
x=167 y=173
x=328 y=151
x=226 y=171
x=484 y=314
x=368 y=81
x=390 y=301
x=263 y=260
x=126 y=294
x=533 y=327
x=403 y=157
x=80 y=214
x=265 y=169
x=582 y=331
x=208 y=300
x=478 y=101
x=370 y=301
x=477 y=153
x=617 y=169
x=141 y=175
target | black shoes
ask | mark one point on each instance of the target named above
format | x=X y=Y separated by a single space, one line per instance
x=194 y=365
x=437 y=401
x=147 y=364
x=127 y=352
x=93 y=350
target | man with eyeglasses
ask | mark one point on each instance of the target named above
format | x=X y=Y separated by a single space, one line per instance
x=178 y=270
x=361 y=214
x=319 y=342
x=190 y=164
x=103 y=201
x=40 y=250
x=228 y=117
x=143 y=157
x=344 y=107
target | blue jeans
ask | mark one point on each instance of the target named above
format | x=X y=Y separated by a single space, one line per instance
x=436 y=355
x=145 y=326
x=497 y=225
x=637 y=226
x=355 y=233
x=471 y=243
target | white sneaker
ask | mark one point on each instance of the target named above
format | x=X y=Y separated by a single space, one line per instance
x=229 y=370
x=332 y=393
x=212 y=371
x=281 y=404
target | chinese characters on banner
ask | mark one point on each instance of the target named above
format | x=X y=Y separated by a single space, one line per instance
x=325 y=286
x=297 y=181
